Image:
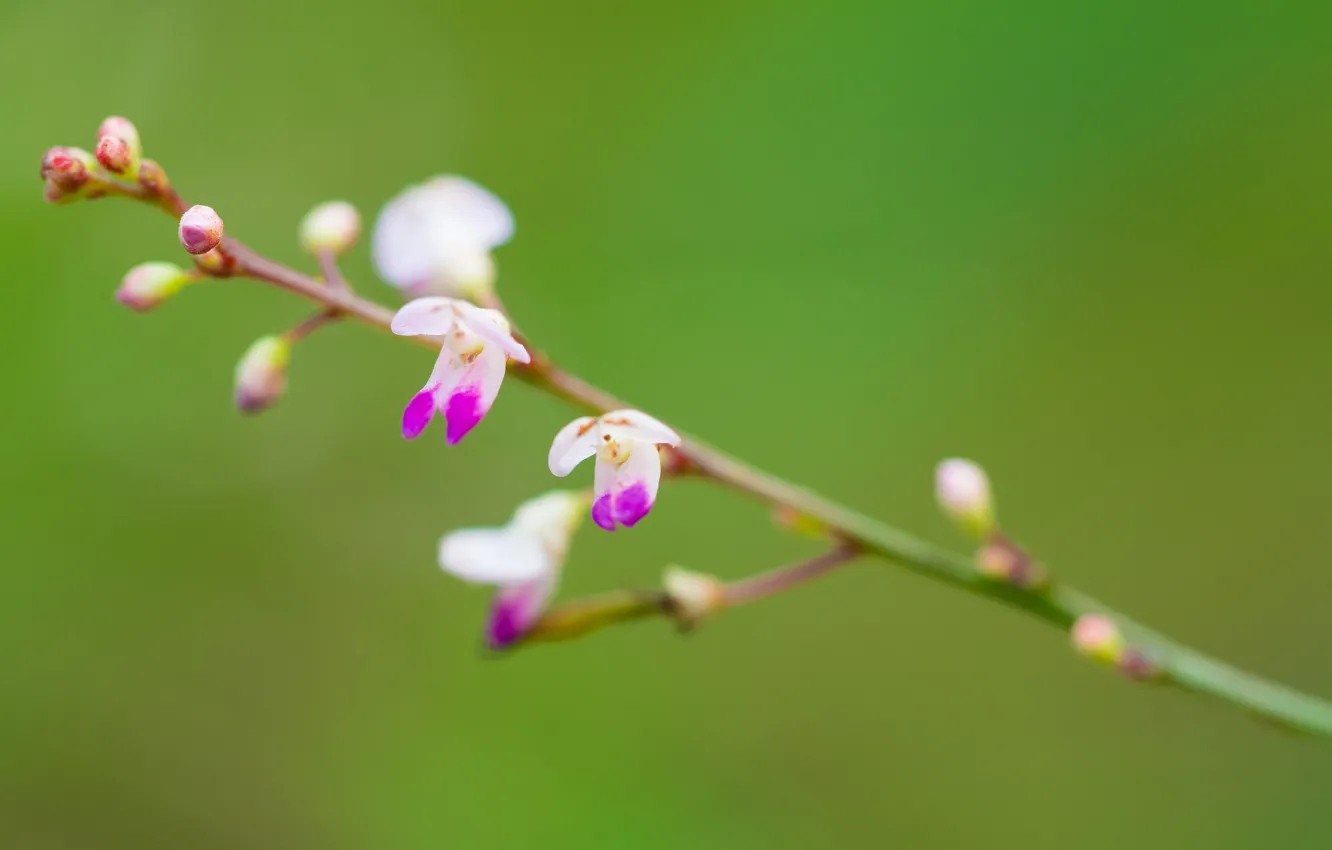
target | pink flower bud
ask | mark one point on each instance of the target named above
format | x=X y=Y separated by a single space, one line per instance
x=963 y=492
x=200 y=229
x=149 y=284
x=123 y=129
x=693 y=596
x=1096 y=636
x=261 y=375
x=334 y=226
x=66 y=172
x=115 y=155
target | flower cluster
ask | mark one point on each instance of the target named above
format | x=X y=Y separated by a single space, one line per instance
x=433 y=243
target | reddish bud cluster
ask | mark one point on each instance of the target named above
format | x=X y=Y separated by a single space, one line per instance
x=66 y=172
x=115 y=155
x=73 y=173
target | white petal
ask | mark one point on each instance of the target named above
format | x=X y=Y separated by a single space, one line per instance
x=643 y=465
x=434 y=237
x=629 y=425
x=551 y=518
x=493 y=327
x=425 y=317
x=469 y=391
x=493 y=556
x=472 y=212
x=575 y=443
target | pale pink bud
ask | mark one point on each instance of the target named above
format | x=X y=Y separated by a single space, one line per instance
x=149 y=284
x=261 y=375
x=1096 y=636
x=963 y=492
x=334 y=226
x=115 y=155
x=694 y=596
x=200 y=229
x=123 y=129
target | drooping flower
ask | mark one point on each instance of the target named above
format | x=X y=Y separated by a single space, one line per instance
x=436 y=238
x=477 y=343
x=522 y=558
x=628 y=469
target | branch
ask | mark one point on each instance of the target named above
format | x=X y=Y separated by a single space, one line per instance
x=581 y=616
x=1151 y=655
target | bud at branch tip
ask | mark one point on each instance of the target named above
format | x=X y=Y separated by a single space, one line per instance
x=334 y=226
x=115 y=155
x=261 y=375
x=200 y=229
x=1097 y=637
x=149 y=284
x=123 y=129
x=963 y=492
x=694 y=596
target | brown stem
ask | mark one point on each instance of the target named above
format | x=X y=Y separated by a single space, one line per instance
x=580 y=616
x=328 y=267
x=311 y=324
x=785 y=578
x=1055 y=604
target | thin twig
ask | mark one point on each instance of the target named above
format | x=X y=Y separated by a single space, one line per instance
x=785 y=578
x=1053 y=604
x=581 y=616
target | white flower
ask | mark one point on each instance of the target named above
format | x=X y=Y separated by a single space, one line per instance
x=470 y=368
x=523 y=558
x=436 y=238
x=628 y=469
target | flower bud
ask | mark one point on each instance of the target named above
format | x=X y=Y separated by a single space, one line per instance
x=123 y=129
x=66 y=172
x=200 y=229
x=1003 y=560
x=149 y=284
x=153 y=177
x=261 y=375
x=1096 y=636
x=214 y=263
x=963 y=492
x=334 y=226
x=115 y=155
x=694 y=596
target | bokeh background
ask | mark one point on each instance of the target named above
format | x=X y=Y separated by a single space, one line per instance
x=1086 y=243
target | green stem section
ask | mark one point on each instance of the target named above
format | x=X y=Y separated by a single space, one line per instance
x=1055 y=604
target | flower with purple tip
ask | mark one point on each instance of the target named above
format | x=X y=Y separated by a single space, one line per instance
x=523 y=559
x=476 y=346
x=628 y=470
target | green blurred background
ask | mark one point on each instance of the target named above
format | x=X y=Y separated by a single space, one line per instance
x=1085 y=243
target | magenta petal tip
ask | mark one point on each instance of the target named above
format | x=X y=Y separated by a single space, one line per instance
x=462 y=413
x=418 y=413
x=602 y=513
